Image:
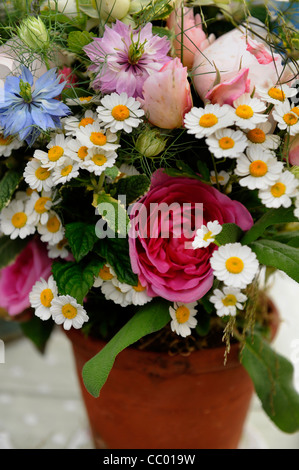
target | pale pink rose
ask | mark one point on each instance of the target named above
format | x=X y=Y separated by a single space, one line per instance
x=167 y=96
x=229 y=90
x=17 y=279
x=160 y=251
x=294 y=150
x=190 y=32
x=227 y=54
x=260 y=52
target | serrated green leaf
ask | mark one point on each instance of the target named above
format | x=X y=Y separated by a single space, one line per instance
x=150 y=318
x=9 y=249
x=81 y=238
x=78 y=39
x=230 y=233
x=272 y=376
x=112 y=172
x=8 y=185
x=133 y=187
x=114 y=213
x=278 y=255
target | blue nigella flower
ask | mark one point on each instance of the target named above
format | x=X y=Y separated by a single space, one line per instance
x=26 y=110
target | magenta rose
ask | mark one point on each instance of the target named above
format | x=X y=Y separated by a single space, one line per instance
x=17 y=279
x=161 y=251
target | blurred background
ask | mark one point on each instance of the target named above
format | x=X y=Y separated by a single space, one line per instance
x=40 y=401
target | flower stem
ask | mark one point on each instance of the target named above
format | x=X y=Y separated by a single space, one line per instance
x=216 y=173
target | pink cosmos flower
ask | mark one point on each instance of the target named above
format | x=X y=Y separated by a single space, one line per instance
x=167 y=96
x=163 y=261
x=17 y=279
x=190 y=32
x=123 y=58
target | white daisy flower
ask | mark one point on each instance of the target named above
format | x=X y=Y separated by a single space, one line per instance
x=296 y=210
x=120 y=112
x=72 y=123
x=94 y=135
x=259 y=169
x=58 y=250
x=248 y=111
x=135 y=295
x=112 y=291
x=68 y=170
x=98 y=160
x=275 y=93
x=106 y=273
x=183 y=318
x=234 y=264
x=260 y=136
x=228 y=300
x=83 y=101
x=41 y=296
x=205 y=121
x=37 y=177
x=77 y=151
x=53 y=231
x=227 y=143
x=8 y=144
x=206 y=234
x=280 y=192
x=67 y=312
x=17 y=220
x=222 y=177
x=57 y=154
x=39 y=205
x=287 y=117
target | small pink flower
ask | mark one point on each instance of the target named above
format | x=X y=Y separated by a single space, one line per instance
x=294 y=150
x=260 y=52
x=67 y=75
x=17 y=279
x=190 y=32
x=167 y=96
x=229 y=90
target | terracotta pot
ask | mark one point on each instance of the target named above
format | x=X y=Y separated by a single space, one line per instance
x=155 y=401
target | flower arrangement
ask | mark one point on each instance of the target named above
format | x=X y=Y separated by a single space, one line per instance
x=149 y=177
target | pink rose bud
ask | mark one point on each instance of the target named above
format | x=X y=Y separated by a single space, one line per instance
x=167 y=96
x=189 y=32
x=229 y=90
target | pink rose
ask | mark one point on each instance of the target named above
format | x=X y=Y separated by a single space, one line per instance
x=230 y=52
x=294 y=150
x=17 y=279
x=230 y=90
x=167 y=265
x=167 y=96
x=193 y=37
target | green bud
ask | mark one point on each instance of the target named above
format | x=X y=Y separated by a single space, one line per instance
x=33 y=32
x=150 y=143
x=295 y=170
x=25 y=91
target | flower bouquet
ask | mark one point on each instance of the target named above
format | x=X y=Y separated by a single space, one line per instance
x=149 y=155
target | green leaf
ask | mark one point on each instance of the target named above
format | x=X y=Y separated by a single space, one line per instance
x=133 y=187
x=9 y=249
x=112 y=172
x=76 y=279
x=81 y=238
x=150 y=318
x=77 y=40
x=8 y=185
x=230 y=233
x=278 y=255
x=272 y=217
x=116 y=253
x=38 y=331
x=272 y=376
x=114 y=213
x=290 y=238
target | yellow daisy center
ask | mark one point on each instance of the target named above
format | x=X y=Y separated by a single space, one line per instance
x=182 y=314
x=139 y=287
x=46 y=297
x=244 y=111
x=229 y=301
x=105 y=273
x=207 y=236
x=290 y=119
x=55 y=153
x=120 y=112
x=69 y=311
x=276 y=94
x=42 y=174
x=84 y=99
x=234 y=265
x=278 y=189
x=258 y=168
x=98 y=138
x=66 y=170
x=82 y=152
x=5 y=140
x=256 y=136
x=53 y=224
x=29 y=191
x=40 y=204
x=85 y=121
x=99 y=159
x=295 y=110
x=226 y=143
x=208 y=120
x=19 y=219
x=220 y=178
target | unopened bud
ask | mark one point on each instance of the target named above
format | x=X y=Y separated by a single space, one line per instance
x=33 y=32
x=150 y=143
